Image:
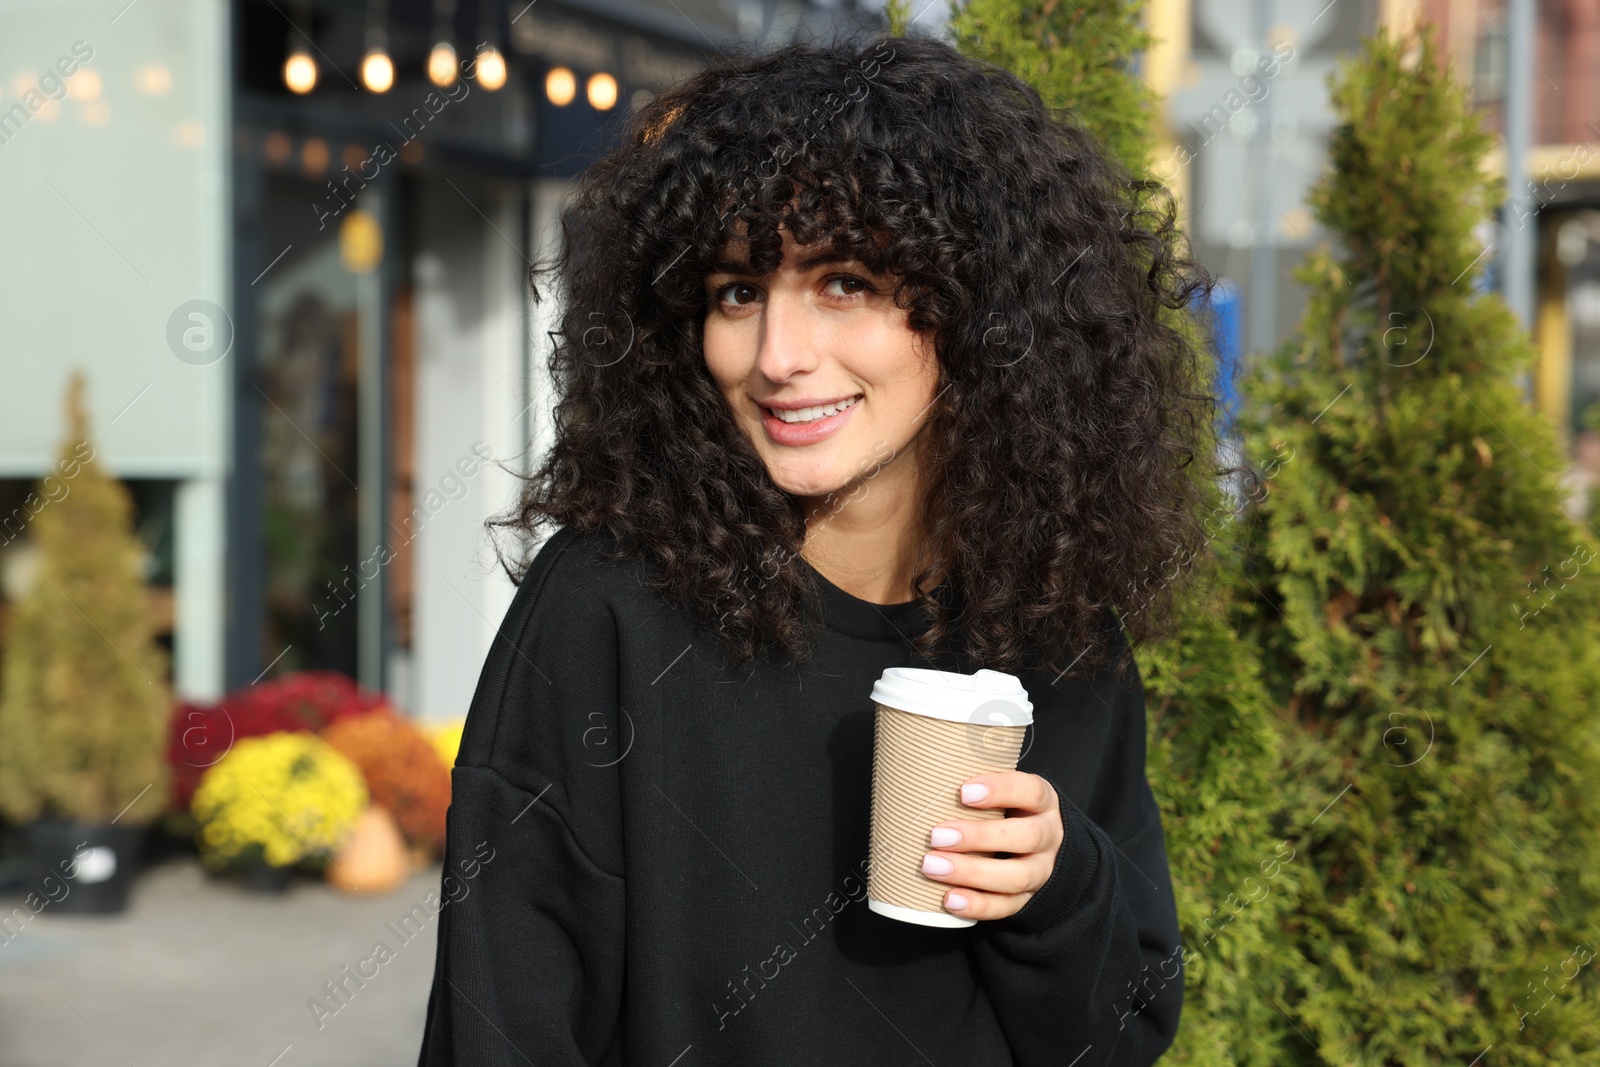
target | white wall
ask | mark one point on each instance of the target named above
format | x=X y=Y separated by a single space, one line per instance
x=473 y=356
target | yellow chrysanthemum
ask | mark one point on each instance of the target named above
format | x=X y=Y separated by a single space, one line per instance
x=287 y=795
x=446 y=738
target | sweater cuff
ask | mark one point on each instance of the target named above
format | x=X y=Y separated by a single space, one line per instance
x=1078 y=863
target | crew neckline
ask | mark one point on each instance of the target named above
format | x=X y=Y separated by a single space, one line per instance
x=849 y=614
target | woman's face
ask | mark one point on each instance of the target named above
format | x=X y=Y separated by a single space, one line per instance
x=816 y=333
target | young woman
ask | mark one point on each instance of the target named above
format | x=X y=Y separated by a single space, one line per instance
x=863 y=363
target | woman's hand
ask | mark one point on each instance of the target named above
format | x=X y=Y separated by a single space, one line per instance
x=990 y=888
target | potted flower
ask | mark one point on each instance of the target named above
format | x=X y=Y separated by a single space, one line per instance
x=316 y=699
x=446 y=738
x=84 y=703
x=201 y=733
x=403 y=772
x=273 y=802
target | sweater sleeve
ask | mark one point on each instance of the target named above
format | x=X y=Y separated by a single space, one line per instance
x=1088 y=972
x=530 y=953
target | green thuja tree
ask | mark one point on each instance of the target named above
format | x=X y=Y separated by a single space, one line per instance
x=899 y=15
x=84 y=707
x=1078 y=57
x=1427 y=619
x=1212 y=761
x=1212 y=750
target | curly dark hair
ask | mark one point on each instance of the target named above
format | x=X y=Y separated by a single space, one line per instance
x=1061 y=447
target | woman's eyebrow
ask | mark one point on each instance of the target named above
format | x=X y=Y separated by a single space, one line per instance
x=805 y=263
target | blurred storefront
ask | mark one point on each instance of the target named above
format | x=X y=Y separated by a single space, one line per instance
x=1245 y=88
x=1563 y=169
x=299 y=292
x=381 y=239
x=1246 y=120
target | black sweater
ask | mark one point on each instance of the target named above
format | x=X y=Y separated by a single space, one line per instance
x=654 y=860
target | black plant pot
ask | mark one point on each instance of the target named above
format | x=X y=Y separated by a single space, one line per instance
x=84 y=868
x=265 y=878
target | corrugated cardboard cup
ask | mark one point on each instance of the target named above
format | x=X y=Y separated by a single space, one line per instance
x=935 y=730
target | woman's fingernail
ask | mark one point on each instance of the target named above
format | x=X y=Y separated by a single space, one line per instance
x=956 y=902
x=943 y=837
x=936 y=865
x=973 y=792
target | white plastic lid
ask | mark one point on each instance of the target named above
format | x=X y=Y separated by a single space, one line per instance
x=992 y=698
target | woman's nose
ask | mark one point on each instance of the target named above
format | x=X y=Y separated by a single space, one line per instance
x=788 y=341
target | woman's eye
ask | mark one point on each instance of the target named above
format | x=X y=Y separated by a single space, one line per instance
x=741 y=294
x=736 y=287
x=852 y=285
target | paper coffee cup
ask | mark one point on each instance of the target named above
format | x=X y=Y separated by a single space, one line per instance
x=935 y=730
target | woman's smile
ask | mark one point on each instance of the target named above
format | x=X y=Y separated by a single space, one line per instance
x=808 y=425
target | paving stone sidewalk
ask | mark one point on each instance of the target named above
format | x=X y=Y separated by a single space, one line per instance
x=201 y=971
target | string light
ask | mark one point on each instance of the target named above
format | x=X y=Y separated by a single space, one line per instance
x=602 y=92
x=300 y=72
x=442 y=65
x=490 y=64
x=84 y=85
x=442 y=60
x=377 y=69
x=299 y=69
x=491 y=67
x=560 y=86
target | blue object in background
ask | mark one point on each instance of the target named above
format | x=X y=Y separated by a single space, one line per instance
x=1226 y=341
x=1488 y=279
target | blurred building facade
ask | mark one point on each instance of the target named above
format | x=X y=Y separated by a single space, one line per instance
x=1563 y=171
x=1246 y=118
x=301 y=303
x=1246 y=121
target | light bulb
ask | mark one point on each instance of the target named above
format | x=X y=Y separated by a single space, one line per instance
x=491 y=68
x=442 y=64
x=377 y=71
x=560 y=86
x=314 y=157
x=152 y=80
x=602 y=92
x=84 y=85
x=300 y=73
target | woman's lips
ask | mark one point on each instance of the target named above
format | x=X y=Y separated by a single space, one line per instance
x=804 y=433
